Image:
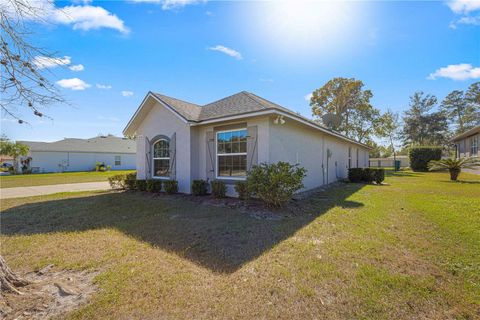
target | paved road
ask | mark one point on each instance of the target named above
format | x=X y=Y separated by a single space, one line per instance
x=20 y=192
x=475 y=171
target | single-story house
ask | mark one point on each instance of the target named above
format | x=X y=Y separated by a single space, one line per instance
x=466 y=144
x=72 y=154
x=225 y=138
x=388 y=162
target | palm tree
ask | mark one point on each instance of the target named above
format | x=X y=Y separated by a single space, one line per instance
x=454 y=166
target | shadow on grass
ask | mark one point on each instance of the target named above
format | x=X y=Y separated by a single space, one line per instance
x=462 y=181
x=218 y=238
x=403 y=173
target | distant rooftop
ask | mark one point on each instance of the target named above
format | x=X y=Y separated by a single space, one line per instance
x=105 y=144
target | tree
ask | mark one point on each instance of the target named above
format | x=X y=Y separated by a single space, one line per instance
x=346 y=99
x=462 y=109
x=454 y=166
x=13 y=149
x=22 y=81
x=421 y=125
x=388 y=128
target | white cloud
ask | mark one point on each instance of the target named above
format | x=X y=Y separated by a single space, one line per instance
x=462 y=71
x=265 y=80
x=74 y=84
x=171 y=4
x=308 y=97
x=103 y=86
x=464 y=6
x=112 y=119
x=81 y=17
x=77 y=67
x=127 y=93
x=88 y=18
x=42 y=62
x=228 y=51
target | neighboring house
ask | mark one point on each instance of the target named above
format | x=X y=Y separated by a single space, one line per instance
x=7 y=160
x=72 y=154
x=224 y=139
x=466 y=144
x=388 y=162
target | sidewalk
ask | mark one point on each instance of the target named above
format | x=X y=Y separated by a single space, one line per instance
x=20 y=192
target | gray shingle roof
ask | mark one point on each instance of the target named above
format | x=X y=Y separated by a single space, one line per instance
x=105 y=144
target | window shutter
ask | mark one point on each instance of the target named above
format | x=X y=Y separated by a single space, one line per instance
x=173 y=156
x=211 y=153
x=148 y=158
x=252 y=147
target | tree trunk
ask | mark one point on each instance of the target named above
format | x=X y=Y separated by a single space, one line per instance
x=454 y=174
x=9 y=281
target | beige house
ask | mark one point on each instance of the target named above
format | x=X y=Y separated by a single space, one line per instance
x=466 y=144
x=224 y=139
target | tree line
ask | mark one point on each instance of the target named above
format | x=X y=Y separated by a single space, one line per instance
x=343 y=105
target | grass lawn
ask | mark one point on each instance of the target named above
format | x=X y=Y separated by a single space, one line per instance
x=406 y=250
x=40 y=179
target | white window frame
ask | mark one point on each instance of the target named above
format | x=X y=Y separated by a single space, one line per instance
x=228 y=154
x=161 y=158
x=119 y=161
x=473 y=146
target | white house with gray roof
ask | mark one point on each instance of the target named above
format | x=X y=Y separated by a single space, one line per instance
x=72 y=154
x=224 y=139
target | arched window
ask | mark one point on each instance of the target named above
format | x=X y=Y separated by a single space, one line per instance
x=161 y=159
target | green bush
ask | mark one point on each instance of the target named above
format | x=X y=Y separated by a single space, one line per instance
x=154 y=185
x=219 y=188
x=241 y=187
x=131 y=181
x=171 y=186
x=367 y=175
x=117 y=181
x=378 y=175
x=355 y=174
x=421 y=156
x=199 y=187
x=141 y=184
x=275 y=183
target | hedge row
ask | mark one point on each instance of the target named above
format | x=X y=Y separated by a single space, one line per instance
x=367 y=175
x=421 y=156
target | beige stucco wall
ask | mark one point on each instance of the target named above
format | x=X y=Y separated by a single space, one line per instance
x=296 y=143
x=160 y=121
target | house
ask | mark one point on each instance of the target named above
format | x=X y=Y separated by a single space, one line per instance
x=466 y=144
x=225 y=138
x=388 y=162
x=72 y=154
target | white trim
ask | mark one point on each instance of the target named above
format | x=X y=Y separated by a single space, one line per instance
x=228 y=154
x=161 y=158
x=150 y=94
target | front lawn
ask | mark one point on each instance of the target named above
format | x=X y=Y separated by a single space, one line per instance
x=40 y=179
x=406 y=250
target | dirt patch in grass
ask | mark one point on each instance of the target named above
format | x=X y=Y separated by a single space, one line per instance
x=50 y=294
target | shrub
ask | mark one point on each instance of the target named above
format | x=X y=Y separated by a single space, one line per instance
x=421 y=156
x=141 y=184
x=219 y=188
x=367 y=175
x=275 y=183
x=355 y=174
x=100 y=166
x=117 y=181
x=154 y=185
x=171 y=186
x=378 y=175
x=199 y=187
x=241 y=187
x=131 y=181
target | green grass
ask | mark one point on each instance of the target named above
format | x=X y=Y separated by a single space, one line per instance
x=406 y=250
x=41 y=179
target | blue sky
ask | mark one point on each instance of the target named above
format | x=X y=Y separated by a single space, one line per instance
x=203 y=51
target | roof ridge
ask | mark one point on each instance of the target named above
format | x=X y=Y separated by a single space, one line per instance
x=222 y=99
x=164 y=95
x=248 y=94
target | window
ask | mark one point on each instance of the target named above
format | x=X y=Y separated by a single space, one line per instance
x=357 y=158
x=473 y=146
x=118 y=160
x=161 y=159
x=349 y=157
x=232 y=154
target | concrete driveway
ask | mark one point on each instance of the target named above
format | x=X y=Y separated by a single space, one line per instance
x=21 y=192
